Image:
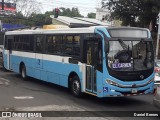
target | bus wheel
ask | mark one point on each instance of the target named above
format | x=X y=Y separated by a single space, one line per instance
x=76 y=87
x=23 y=72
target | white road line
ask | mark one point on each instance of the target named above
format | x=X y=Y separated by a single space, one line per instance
x=23 y=97
x=51 y=108
x=6 y=80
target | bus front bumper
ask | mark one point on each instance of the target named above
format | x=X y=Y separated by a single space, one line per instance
x=113 y=91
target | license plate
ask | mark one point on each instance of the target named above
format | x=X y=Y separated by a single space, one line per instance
x=134 y=90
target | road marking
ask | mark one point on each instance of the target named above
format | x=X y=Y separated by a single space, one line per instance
x=6 y=80
x=23 y=97
x=51 y=108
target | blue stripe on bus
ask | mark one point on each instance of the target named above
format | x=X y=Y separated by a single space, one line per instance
x=54 y=72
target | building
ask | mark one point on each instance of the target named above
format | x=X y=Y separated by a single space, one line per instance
x=101 y=13
x=76 y=22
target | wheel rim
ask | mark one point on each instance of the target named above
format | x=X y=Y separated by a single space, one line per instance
x=23 y=72
x=76 y=87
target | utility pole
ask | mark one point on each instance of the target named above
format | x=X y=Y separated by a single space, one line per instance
x=2 y=4
x=2 y=11
x=158 y=36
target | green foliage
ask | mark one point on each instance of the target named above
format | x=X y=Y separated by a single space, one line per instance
x=40 y=19
x=32 y=20
x=91 y=15
x=134 y=12
x=74 y=12
x=18 y=19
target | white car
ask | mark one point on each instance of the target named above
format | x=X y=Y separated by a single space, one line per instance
x=1 y=48
x=157 y=72
x=156 y=99
x=1 y=55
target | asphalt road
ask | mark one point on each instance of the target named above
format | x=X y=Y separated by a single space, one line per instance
x=17 y=94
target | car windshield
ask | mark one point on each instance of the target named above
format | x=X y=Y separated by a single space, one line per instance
x=130 y=55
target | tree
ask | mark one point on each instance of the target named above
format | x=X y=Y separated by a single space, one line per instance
x=35 y=19
x=39 y=19
x=27 y=7
x=28 y=13
x=32 y=20
x=74 y=12
x=91 y=15
x=15 y=19
x=134 y=12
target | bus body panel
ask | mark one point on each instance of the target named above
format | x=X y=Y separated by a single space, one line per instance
x=100 y=90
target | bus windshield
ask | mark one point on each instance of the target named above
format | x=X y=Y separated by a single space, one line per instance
x=130 y=55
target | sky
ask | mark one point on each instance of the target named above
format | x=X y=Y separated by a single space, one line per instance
x=84 y=6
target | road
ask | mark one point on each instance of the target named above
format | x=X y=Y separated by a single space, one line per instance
x=17 y=94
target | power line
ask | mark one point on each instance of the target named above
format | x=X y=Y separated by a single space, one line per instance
x=68 y=5
x=73 y=3
x=81 y=9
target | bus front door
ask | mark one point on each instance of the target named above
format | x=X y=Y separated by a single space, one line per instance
x=92 y=53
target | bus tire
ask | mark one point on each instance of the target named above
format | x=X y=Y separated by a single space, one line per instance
x=23 y=72
x=76 y=87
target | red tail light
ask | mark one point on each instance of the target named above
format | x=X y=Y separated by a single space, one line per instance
x=157 y=69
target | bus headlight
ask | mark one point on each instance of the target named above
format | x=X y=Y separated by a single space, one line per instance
x=111 y=82
x=150 y=81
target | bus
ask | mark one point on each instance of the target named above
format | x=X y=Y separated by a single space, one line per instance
x=100 y=61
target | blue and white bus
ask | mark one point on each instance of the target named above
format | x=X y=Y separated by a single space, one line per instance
x=101 y=61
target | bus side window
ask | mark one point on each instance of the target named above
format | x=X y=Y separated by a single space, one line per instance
x=31 y=43
x=58 y=44
x=99 y=56
x=39 y=43
x=9 y=44
x=6 y=43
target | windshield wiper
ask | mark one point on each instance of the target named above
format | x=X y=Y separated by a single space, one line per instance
x=124 y=46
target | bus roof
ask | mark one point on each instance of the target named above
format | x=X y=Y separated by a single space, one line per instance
x=67 y=30
x=52 y=31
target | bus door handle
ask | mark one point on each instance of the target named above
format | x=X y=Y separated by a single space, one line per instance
x=38 y=61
